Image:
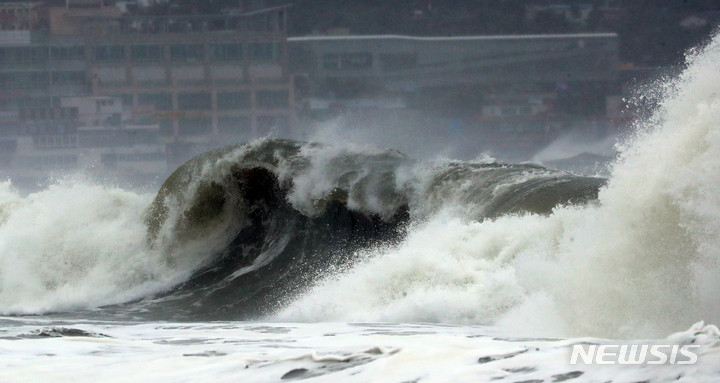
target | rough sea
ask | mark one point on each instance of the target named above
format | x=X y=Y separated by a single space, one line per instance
x=285 y=260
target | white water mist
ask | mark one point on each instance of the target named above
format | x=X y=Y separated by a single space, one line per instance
x=639 y=262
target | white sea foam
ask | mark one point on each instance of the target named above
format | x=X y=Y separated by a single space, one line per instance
x=318 y=352
x=73 y=246
x=640 y=262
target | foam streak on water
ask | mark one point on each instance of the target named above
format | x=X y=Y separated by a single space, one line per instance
x=323 y=352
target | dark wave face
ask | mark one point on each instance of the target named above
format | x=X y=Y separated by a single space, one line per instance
x=262 y=222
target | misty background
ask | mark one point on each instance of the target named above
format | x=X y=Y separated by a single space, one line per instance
x=126 y=91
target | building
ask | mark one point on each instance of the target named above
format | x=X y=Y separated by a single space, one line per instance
x=204 y=80
x=504 y=93
x=405 y=63
x=84 y=133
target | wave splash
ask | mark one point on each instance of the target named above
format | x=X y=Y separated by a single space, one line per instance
x=308 y=232
x=269 y=219
x=241 y=231
x=74 y=246
x=639 y=262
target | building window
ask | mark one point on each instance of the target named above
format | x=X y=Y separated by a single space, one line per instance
x=398 y=61
x=194 y=101
x=347 y=61
x=226 y=52
x=166 y=126
x=48 y=161
x=101 y=104
x=103 y=139
x=186 y=52
x=67 y=53
x=23 y=55
x=111 y=159
x=5 y=56
x=194 y=126
x=68 y=78
x=38 y=55
x=37 y=102
x=69 y=113
x=269 y=99
x=8 y=145
x=233 y=100
x=55 y=142
x=161 y=101
x=263 y=52
x=109 y=53
x=234 y=125
x=126 y=99
x=147 y=52
x=25 y=80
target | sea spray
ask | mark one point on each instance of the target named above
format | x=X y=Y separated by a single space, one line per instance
x=637 y=263
x=72 y=246
x=235 y=232
x=519 y=246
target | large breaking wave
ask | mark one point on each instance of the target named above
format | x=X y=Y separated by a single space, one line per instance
x=264 y=221
x=242 y=231
x=286 y=230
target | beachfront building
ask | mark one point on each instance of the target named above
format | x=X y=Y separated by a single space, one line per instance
x=510 y=92
x=407 y=64
x=204 y=79
x=83 y=133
